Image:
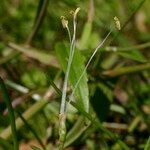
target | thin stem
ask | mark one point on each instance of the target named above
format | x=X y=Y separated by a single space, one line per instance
x=32 y=130
x=63 y=103
x=62 y=115
x=89 y=116
x=68 y=30
x=11 y=113
x=95 y=51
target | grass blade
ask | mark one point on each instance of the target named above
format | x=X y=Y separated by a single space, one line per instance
x=42 y=57
x=76 y=70
x=147 y=146
x=32 y=130
x=11 y=113
x=97 y=124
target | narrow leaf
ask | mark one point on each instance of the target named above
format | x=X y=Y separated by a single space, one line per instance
x=147 y=146
x=134 y=55
x=42 y=57
x=76 y=131
x=85 y=35
x=32 y=130
x=11 y=113
x=82 y=93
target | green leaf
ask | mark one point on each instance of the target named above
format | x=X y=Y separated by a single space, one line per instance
x=134 y=55
x=7 y=100
x=85 y=35
x=76 y=131
x=28 y=126
x=147 y=146
x=77 y=67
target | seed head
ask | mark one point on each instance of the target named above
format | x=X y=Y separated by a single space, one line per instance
x=117 y=23
x=64 y=22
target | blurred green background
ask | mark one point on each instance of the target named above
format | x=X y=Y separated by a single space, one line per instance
x=118 y=77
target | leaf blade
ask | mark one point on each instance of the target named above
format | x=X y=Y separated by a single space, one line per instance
x=82 y=93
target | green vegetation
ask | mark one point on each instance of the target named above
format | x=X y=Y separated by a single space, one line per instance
x=74 y=75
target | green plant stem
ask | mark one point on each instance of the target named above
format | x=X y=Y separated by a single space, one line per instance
x=76 y=131
x=38 y=22
x=134 y=123
x=147 y=145
x=62 y=115
x=11 y=113
x=89 y=61
x=93 y=121
x=126 y=70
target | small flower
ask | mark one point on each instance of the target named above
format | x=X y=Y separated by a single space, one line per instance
x=64 y=22
x=117 y=23
x=74 y=13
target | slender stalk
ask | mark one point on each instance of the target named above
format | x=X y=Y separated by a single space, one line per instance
x=11 y=113
x=89 y=116
x=62 y=115
x=94 y=53
x=134 y=123
x=68 y=30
